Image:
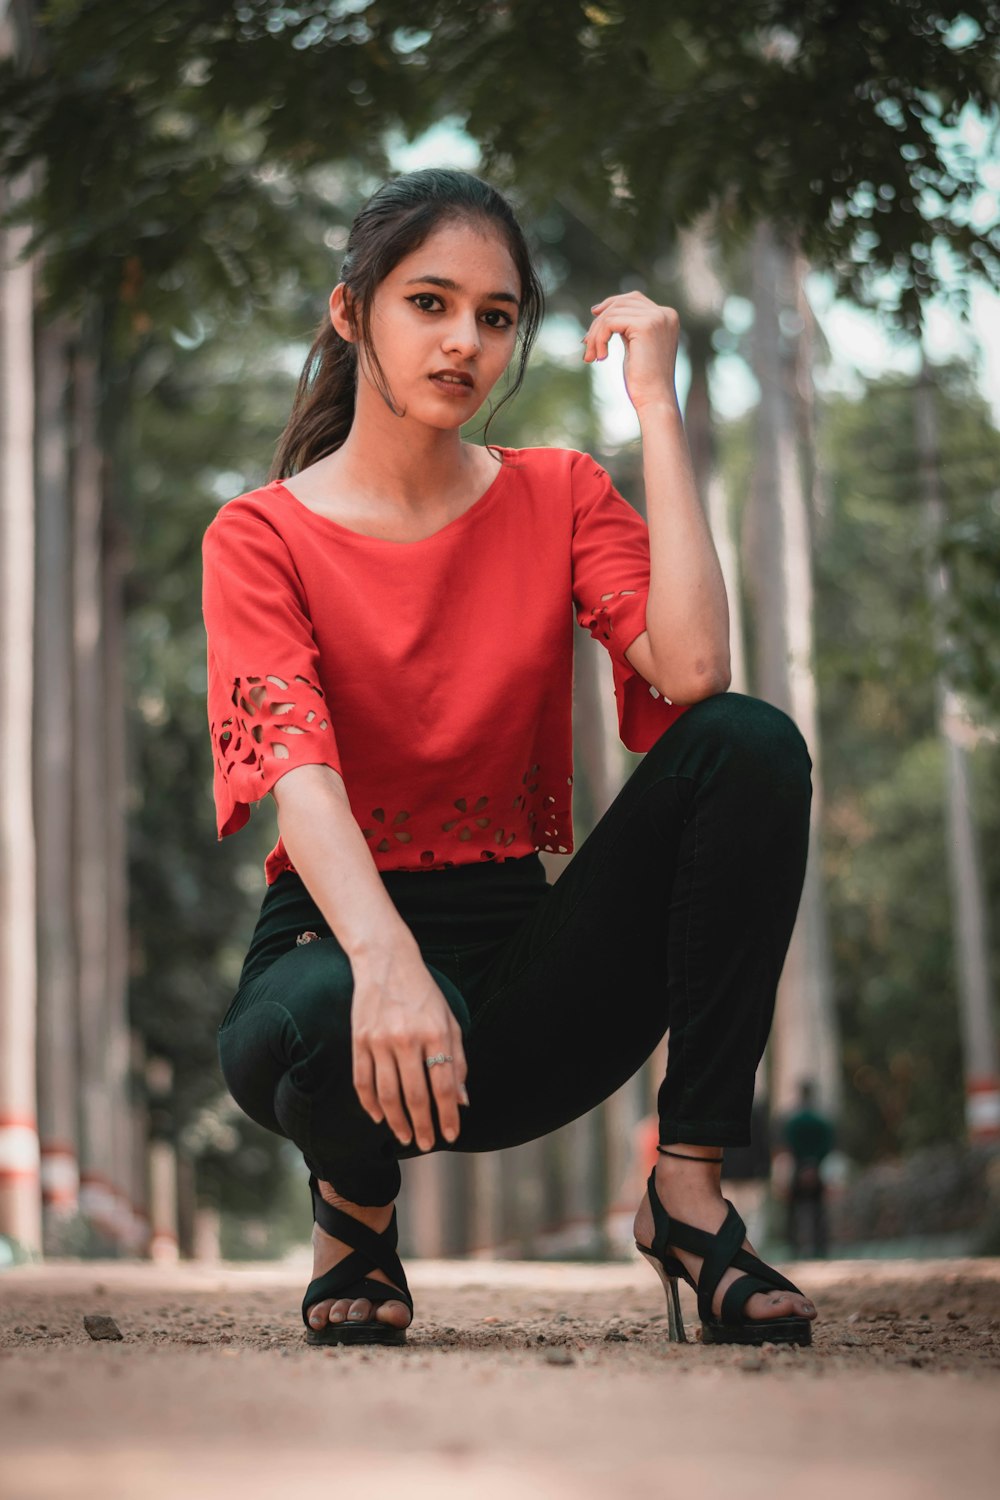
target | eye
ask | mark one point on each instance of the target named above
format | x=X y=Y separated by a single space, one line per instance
x=428 y=302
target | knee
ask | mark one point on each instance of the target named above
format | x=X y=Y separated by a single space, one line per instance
x=755 y=737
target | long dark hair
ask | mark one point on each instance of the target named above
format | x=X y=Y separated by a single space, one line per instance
x=395 y=220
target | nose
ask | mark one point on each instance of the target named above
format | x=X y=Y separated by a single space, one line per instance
x=462 y=336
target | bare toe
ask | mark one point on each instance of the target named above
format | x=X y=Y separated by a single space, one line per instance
x=777 y=1305
x=395 y=1313
x=319 y=1312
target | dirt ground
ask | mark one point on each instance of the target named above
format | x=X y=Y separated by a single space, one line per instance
x=537 y=1380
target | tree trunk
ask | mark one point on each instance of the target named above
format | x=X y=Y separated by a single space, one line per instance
x=20 y=1195
x=57 y=998
x=115 y=824
x=804 y=1037
x=979 y=1042
x=97 y=1153
x=704 y=295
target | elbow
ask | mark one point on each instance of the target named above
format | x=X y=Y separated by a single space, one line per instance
x=706 y=682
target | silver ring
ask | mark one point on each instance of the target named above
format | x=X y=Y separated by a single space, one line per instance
x=439 y=1057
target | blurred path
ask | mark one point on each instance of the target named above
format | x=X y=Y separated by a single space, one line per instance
x=535 y=1380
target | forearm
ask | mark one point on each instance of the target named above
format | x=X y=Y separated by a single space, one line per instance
x=329 y=852
x=687 y=613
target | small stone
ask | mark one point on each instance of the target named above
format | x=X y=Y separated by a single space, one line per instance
x=101 y=1326
x=613 y=1336
x=558 y=1356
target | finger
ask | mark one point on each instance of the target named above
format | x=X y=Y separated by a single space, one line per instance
x=364 y=1082
x=460 y=1067
x=443 y=1083
x=413 y=1073
x=387 y=1083
x=597 y=341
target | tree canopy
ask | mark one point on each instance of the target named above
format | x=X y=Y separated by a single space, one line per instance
x=191 y=122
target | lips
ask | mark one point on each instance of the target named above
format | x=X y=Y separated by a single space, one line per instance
x=453 y=377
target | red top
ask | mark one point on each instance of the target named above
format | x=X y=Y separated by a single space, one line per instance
x=436 y=676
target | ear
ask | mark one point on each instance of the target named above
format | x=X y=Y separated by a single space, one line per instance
x=340 y=301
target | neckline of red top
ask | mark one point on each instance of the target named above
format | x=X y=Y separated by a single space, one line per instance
x=477 y=508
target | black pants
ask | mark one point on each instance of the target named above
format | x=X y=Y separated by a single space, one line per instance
x=676 y=911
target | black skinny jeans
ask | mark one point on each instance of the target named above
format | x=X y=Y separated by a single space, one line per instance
x=676 y=911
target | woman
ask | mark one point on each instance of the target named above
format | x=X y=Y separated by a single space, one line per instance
x=390 y=642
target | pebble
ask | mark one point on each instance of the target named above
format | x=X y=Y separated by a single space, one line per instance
x=558 y=1356
x=101 y=1326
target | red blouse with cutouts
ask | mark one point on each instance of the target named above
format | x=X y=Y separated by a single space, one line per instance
x=436 y=676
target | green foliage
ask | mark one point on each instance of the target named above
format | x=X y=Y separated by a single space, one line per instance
x=171 y=147
x=826 y=118
x=192 y=123
x=884 y=836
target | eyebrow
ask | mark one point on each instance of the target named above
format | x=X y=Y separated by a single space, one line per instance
x=453 y=286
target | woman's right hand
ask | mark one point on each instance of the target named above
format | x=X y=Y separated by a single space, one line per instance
x=398 y=1018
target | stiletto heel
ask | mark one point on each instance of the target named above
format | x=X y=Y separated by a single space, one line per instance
x=718 y=1252
x=675 y=1320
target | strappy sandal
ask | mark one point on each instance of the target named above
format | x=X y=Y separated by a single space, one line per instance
x=719 y=1251
x=370 y=1250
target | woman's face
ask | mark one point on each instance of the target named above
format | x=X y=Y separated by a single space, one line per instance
x=449 y=309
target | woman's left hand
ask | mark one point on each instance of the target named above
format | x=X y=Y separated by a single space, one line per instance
x=649 y=333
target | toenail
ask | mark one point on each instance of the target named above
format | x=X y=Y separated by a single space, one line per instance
x=355 y=1313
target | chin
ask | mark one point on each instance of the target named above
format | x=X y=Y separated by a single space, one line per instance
x=429 y=417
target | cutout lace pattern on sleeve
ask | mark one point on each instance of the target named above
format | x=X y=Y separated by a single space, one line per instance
x=598 y=620
x=266 y=711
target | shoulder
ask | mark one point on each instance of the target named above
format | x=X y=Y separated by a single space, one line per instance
x=552 y=465
x=250 y=538
x=545 y=458
x=251 y=516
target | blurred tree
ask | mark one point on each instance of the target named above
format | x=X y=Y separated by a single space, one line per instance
x=884 y=840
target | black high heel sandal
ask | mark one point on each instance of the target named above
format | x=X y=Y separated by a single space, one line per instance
x=719 y=1251
x=371 y=1250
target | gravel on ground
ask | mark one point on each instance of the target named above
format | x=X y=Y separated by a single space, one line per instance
x=537 y=1380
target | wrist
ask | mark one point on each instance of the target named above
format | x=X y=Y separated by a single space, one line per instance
x=659 y=409
x=383 y=950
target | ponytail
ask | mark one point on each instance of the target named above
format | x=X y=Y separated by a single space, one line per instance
x=323 y=409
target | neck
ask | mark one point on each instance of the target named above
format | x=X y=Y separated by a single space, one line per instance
x=402 y=461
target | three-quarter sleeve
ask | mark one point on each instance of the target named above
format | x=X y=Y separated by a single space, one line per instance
x=610 y=589
x=267 y=709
